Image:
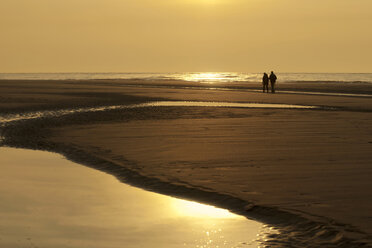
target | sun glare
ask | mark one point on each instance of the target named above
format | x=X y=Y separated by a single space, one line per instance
x=212 y=2
x=194 y=209
x=208 y=1
x=204 y=77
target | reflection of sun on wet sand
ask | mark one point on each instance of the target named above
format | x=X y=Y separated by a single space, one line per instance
x=310 y=163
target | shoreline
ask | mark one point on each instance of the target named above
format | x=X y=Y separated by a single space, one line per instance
x=112 y=214
x=285 y=222
x=32 y=134
x=23 y=96
x=299 y=87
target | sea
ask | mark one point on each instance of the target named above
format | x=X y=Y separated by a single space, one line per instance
x=224 y=77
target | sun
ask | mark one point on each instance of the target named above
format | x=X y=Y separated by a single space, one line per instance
x=213 y=2
x=209 y=2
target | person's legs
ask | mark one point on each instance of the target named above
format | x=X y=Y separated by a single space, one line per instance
x=272 y=87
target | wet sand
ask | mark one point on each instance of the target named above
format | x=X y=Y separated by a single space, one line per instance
x=314 y=164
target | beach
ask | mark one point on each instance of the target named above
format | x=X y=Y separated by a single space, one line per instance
x=306 y=168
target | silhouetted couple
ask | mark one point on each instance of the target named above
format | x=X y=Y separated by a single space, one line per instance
x=265 y=82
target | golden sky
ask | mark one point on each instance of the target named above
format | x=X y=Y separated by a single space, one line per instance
x=185 y=35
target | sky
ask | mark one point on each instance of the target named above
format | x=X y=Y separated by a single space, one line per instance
x=185 y=35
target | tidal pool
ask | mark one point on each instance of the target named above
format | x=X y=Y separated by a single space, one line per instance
x=48 y=201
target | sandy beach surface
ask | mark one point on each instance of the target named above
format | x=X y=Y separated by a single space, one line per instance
x=314 y=164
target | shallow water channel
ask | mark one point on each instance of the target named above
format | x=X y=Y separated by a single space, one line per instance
x=48 y=201
x=40 y=114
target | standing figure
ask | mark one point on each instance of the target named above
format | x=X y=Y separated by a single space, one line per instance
x=272 y=81
x=265 y=82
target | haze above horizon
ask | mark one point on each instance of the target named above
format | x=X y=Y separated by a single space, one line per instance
x=185 y=35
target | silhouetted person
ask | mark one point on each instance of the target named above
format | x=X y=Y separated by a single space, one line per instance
x=272 y=81
x=265 y=82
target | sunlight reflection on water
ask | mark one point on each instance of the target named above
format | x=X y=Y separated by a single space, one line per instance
x=47 y=201
x=223 y=104
x=39 y=114
x=207 y=77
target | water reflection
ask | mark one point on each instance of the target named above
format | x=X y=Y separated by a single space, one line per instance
x=206 y=77
x=47 y=201
x=223 y=104
x=194 y=209
x=40 y=114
